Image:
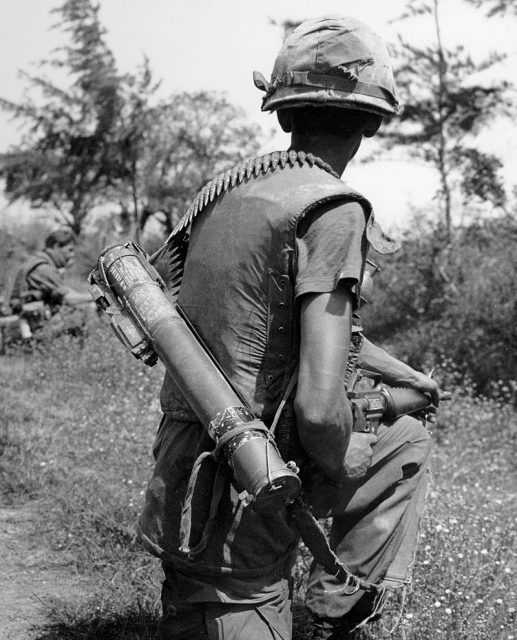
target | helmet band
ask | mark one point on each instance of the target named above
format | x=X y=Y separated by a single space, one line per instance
x=348 y=84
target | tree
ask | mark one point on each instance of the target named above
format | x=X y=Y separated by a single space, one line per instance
x=76 y=148
x=104 y=139
x=496 y=7
x=193 y=136
x=136 y=120
x=446 y=104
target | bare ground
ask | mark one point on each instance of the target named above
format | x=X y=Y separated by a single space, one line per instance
x=33 y=578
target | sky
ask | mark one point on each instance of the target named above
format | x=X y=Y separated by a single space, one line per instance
x=216 y=44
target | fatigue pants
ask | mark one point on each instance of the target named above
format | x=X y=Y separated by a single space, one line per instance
x=186 y=620
x=375 y=526
x=374 y=532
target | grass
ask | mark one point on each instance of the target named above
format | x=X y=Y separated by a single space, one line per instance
x=76 y=431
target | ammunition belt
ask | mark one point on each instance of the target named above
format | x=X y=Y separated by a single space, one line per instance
x=244 y=171
x=178 y=239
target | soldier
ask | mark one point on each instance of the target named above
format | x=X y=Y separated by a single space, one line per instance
x=270 y=278
x=39 y=292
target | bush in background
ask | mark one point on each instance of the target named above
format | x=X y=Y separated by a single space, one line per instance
x=457 y=300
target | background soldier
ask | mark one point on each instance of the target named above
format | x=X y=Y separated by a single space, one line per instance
x=39 y=294
x=270 y=280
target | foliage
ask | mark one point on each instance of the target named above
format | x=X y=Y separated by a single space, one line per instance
x=76 y=146
x=458 y=300
x=496 y=7
x=105 y=140
x=193 y=137
x=79 y=437
x=446 y=104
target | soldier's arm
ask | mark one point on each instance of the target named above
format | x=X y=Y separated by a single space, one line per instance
x=323 y=412
x=49 y=281
x=394 y=372
x=74 y=298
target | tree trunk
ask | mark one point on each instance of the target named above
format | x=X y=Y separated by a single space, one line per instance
x=442 y=144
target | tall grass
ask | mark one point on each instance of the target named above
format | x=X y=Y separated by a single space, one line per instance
x=76 y=430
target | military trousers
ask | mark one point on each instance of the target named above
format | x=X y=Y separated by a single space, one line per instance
x=374 y=532
x=375 y=524
x=183 y=619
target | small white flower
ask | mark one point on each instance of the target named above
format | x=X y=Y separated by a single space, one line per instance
x=448 y=611
x=437 y=604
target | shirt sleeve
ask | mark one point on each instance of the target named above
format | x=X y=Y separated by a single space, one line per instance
x=331 y=247
x=44 y=278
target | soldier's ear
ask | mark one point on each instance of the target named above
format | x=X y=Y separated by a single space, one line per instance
x=371 y=125
x=285 y=120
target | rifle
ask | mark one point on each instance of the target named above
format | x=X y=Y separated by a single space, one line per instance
x=382 y=403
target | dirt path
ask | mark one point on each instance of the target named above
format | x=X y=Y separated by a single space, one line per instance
x=32 y=577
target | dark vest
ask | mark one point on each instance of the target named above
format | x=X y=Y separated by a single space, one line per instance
x=239 y=273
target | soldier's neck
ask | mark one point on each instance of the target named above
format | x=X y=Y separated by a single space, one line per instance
x=335 y=150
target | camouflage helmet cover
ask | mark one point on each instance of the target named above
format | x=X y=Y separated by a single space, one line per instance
x=332 y=61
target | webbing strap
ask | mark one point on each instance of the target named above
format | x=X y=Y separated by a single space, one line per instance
x=186 y=512
x=217 y=491
x=339 y=83
x=281 y=406
x=316 y=541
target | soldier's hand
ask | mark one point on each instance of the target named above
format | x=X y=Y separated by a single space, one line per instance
x=427 y=385
x=358 y=457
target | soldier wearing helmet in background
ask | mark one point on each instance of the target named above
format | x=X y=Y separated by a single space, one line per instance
x=39 y=292
x=271 y=257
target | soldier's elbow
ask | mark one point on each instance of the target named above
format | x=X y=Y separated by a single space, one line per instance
x=314 y=412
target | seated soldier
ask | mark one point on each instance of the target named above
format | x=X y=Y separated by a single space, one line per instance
x=39 y=291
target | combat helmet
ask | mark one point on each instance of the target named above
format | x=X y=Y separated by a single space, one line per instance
x=331 y=61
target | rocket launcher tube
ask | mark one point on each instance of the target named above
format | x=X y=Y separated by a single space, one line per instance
x=145 y=318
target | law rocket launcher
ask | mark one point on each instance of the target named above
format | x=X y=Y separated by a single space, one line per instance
x=144 y=317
